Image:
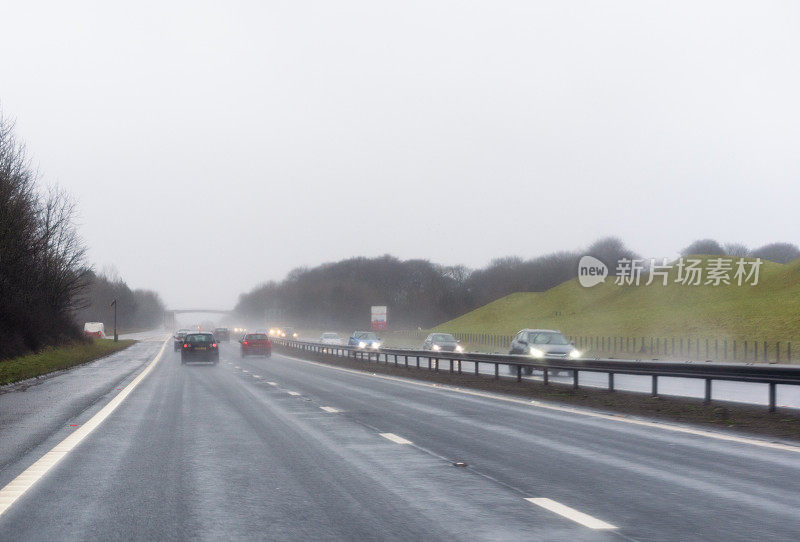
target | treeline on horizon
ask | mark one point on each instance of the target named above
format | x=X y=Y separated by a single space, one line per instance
x=420 y=293
x=46 y=287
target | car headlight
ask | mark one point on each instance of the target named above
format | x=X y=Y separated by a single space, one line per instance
x=459 y=348
x=535 y=352
x=435 y=347
x=376 y=345
x=294 y=335
x=575 y=354
x=362 y=344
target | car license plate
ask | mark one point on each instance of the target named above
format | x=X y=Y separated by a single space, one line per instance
x=200 y=348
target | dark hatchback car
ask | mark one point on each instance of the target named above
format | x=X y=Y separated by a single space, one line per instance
x=199 y=347
x=442 y=342
x=222 y=334
x=179 y=336
x=256 y=344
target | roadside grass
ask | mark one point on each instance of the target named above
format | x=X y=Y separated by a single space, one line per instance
x=57 y=358
x=768 y=311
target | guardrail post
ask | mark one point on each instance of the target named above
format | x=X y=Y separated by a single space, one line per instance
x=772 y=396
x=436 y=363
x=496 y=371
x=707 y=398
x=405 y=360
x=451 y=365
x=610 y=381
x=519 y=373
x=476 y=368
x=545 y=376
x=574 y=379
x=417 y=362
x=655 y=386
x=458 y=362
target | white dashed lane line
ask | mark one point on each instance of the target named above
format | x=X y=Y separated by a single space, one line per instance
x=396 y=439
x=570 y=513
x=272 y=383
x=329 y=409
x=293 y=393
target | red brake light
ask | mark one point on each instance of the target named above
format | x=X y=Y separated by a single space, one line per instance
x=245 y=342
x=185 y=345
x=213 y=345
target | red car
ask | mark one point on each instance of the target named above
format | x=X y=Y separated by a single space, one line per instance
x=256 y=344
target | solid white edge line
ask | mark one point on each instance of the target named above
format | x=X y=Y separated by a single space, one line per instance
x=570 y=513
x=329 y=409
x=571 y=410
x=395 y=438
x=22 y=483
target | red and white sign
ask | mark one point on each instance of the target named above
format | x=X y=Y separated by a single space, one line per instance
x=378 y=318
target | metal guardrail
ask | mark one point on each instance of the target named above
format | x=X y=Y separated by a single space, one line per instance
x=709 y=371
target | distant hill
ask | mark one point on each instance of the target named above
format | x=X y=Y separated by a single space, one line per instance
x=768 y=311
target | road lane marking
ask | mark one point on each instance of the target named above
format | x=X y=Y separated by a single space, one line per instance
x=570 y=513
x=395 y=438
x=293 y=393
x=256 y=376
x=245 y=371
x=22 y=483
x=329 y=409
x=272 y=383
x=570 y=410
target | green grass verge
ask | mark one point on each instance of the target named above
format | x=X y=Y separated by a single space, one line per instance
x=57 y=358
x=769 y=311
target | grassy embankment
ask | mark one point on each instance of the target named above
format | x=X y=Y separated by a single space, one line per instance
x=768 y=311
x=58 y=358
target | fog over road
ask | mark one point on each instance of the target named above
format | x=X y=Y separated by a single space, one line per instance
x=283 y=449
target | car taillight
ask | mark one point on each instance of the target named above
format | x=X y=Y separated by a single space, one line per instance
x=269 y=343
x=245 y=343
x=185 y=345
x=213 y=345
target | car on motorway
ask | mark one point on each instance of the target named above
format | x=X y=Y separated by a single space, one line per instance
x=364 y=339
x=255 y=344
x=329 y=337
x=222 y=334
x=542 y=343
x=199 y=346
x=289 y=333
x=442 y=342
x=178 y=338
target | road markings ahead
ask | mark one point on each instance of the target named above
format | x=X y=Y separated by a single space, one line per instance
x=272 y=383
x=395 y=438
x=22 y=483
x=256 y=376
x=293 y=393
x=570 y=513
x=329 y=409
x=664 y=426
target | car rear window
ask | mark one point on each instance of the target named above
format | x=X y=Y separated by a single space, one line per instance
x=256 y=337
x=199 y=338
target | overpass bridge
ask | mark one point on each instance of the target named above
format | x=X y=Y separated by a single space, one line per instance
x=169 y=314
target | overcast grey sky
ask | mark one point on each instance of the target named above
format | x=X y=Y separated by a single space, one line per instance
x=215 y=145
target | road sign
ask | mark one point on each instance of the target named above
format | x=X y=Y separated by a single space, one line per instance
x=378 y=317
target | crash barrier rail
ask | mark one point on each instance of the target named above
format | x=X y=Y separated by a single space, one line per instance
x=694 y=347
x=737 y=372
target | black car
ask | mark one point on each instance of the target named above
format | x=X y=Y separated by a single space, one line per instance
x=442 y=342
x=199 y=347
x=222 y=334
x=179 y=336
